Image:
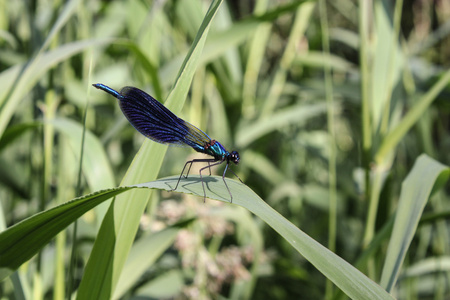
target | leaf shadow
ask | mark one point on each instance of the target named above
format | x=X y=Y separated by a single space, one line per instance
x=193 y=181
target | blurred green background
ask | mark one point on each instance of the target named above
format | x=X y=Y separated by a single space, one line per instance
x=329 y=104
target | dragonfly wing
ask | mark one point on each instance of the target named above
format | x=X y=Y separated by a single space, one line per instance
x=151 y=118
x=196 y=137
x=156 y=122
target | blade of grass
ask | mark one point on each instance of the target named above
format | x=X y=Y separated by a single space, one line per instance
x=73 y=254
x=140 y=258
x=121 y=222
x=301 y=22
x=296 y=114
x=219 y=42
x=395 y=65
x=396 y=135
x=17 y=81
x=317 y=59
x=416 y=190
x=365 y=18
x=65 y=191
x=332 y=219
x=387 y=63
x=26 y=72
x=257 y=48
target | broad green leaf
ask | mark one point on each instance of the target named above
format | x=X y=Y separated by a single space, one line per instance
x=416 y=190
x=21 y=241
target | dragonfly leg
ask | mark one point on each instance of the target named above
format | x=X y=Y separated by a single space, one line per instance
x=223 y=178
x=181 y=175
x=189 y=169
x=201 y=177
x=235 y=174
x=209 y=167
x=203 y=185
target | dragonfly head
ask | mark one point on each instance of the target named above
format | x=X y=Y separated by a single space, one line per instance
x=234 y=157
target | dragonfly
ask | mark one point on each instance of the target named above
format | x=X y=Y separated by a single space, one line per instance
x=153 y=120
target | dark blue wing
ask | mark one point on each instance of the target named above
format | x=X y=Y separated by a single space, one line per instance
x=156 y=122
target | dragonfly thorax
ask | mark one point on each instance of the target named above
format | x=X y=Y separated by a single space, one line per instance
x=216 y=150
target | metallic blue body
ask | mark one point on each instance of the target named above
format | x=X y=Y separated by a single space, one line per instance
x=159 y=124
x=217 y=151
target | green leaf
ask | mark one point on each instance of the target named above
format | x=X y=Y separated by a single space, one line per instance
x=21 y=241
x=416 y=190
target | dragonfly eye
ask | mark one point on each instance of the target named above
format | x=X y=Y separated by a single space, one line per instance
x=234 y=157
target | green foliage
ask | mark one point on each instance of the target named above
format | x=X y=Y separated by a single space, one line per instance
x=339 y=112
x=35 y=232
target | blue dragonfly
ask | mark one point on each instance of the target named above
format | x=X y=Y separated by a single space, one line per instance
x=156 y=122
